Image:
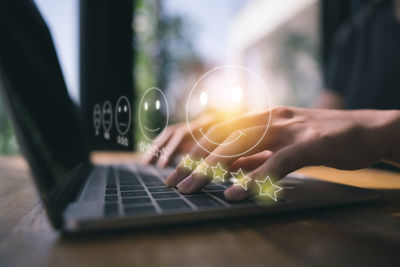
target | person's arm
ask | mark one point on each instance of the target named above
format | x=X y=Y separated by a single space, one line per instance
x=391 y=135
x=296 y=138
x=330 y=99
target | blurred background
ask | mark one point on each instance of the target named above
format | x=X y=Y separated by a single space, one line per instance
x=177 y=41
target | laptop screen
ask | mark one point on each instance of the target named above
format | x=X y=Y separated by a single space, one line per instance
x=45 y=119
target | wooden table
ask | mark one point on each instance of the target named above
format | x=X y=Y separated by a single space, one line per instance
x=361 y=235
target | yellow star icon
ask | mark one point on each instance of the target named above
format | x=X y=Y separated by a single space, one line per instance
x=240 y=178
x=187 y=162
x=267 y=188
x=219 y=172
x=142 y=147
x=202 y=166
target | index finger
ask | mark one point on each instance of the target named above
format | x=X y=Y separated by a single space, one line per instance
x=210 y=141
x=216 y=167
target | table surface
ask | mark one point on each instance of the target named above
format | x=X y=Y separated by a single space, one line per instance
x=360 y=235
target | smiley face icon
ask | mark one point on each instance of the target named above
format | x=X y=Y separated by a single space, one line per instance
x=123 y=115
x=107 y=118
x=152 y=104
x=231 y=91
x=97 y=118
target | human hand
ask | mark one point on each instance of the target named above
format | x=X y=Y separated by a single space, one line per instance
x=296 y=137
x=176 y=139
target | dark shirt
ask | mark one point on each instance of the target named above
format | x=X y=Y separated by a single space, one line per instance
x=365 y=65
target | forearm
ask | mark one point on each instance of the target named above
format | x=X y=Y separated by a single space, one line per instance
x=391 y=137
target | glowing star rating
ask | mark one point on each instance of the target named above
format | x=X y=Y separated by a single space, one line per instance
x=142 y=147
x=240 y=178
x=202 y=166
x=148 y=149
x=267 y=188
x=219 y=172
x=187 y=162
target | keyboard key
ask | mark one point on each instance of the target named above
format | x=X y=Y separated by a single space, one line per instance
x=111 y=186
x=149 y=177
x=213 y=187
x=139 y=210
x=173 y=204
x=220 y=195
x=128 y=182
x=111 y=179
x=131 y=188
x=111 y=198
x=111 y=209
x=111 y=191
x=134 y=194
x=204 y=201
x=165 y=195
x=126 y=174
x=154 y=183
x=136 y=201
x=160 y=189
x=198 y=193
x=127 y=178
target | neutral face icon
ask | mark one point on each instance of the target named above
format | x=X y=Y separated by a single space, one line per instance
x=153 y=101
x=97 y=118
x=123 y=115
x=107 y=116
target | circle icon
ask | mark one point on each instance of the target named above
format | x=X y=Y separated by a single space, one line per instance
x=97 y=118
x=153 y=100
x=227 y=84
x=107 y=116
x=123 y=115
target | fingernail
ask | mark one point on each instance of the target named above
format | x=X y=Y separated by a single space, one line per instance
x=176 y=177
x=172 y=178
x=235 y=193
x=185 y=185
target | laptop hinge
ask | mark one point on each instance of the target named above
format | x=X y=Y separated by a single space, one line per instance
x=68 y=190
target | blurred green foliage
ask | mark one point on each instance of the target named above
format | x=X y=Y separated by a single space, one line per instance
x=163 y=49
x=297 y=57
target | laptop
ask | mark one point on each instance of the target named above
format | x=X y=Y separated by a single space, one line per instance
x=80 y=196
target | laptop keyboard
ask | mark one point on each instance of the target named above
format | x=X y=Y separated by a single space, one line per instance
x=143 y=192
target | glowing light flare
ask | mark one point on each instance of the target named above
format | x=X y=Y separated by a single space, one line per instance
x=203 y=98
x=237 y=94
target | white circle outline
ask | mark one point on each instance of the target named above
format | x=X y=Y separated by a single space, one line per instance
x=140 y=108
x=116 y=117
x=111 y=116
x=96 y=109
x=195 y=85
